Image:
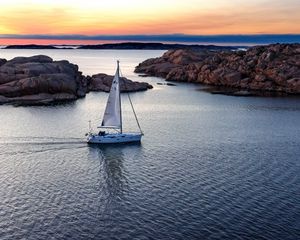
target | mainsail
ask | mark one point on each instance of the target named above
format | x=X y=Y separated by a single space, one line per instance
x=112 y=116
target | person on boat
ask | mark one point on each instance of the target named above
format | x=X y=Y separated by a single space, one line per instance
x=101 y=133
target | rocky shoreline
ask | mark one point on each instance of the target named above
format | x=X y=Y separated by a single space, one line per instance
x=38 y=80
x=260 y=70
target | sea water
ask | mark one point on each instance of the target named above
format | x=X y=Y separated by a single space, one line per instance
x=208 y=167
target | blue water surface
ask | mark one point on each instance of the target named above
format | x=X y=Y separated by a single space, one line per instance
x=209 y=166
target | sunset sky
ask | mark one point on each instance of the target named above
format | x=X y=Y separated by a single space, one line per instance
x=119 y=17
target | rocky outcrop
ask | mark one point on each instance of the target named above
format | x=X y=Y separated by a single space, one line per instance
x=33 y=78
x=273 y=68
x=102 y=82
x=39 y=80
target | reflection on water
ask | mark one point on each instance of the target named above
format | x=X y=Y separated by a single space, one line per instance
x=111 y=166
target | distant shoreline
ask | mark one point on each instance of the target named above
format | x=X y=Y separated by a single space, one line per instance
x=128 y=46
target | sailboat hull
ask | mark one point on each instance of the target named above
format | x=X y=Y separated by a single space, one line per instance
x=114 y=138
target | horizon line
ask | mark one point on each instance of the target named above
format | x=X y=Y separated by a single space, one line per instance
x=176 y=37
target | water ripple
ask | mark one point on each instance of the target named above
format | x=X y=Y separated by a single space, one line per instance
x=208 y=167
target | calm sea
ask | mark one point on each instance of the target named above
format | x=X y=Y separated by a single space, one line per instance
x=209 y=166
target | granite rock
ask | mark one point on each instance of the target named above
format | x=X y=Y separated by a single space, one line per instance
x=275 y=68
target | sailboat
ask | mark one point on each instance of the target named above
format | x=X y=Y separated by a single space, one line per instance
x=111 y=128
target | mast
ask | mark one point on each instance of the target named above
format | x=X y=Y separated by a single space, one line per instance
x=118 y=72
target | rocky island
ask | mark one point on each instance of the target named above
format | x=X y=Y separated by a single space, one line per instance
x=39 y=80
x=259 y=70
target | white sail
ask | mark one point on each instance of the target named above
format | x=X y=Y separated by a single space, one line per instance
x=112 y=115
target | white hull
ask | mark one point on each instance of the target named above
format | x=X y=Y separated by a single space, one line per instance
x=114 y=138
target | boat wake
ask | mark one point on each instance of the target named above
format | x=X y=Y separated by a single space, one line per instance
x=32 y=145
x=41 y=140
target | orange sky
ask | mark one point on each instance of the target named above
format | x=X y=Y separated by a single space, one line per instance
x=93 y=17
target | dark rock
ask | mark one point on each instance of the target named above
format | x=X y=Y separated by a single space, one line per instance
x=168 y=84
x=2 y=61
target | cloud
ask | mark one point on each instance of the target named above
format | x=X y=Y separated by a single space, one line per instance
x=150 y=17
x=35 y=20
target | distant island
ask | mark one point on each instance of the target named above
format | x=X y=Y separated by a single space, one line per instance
x=127 y=45
x=155 y=46
x=30 y=46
